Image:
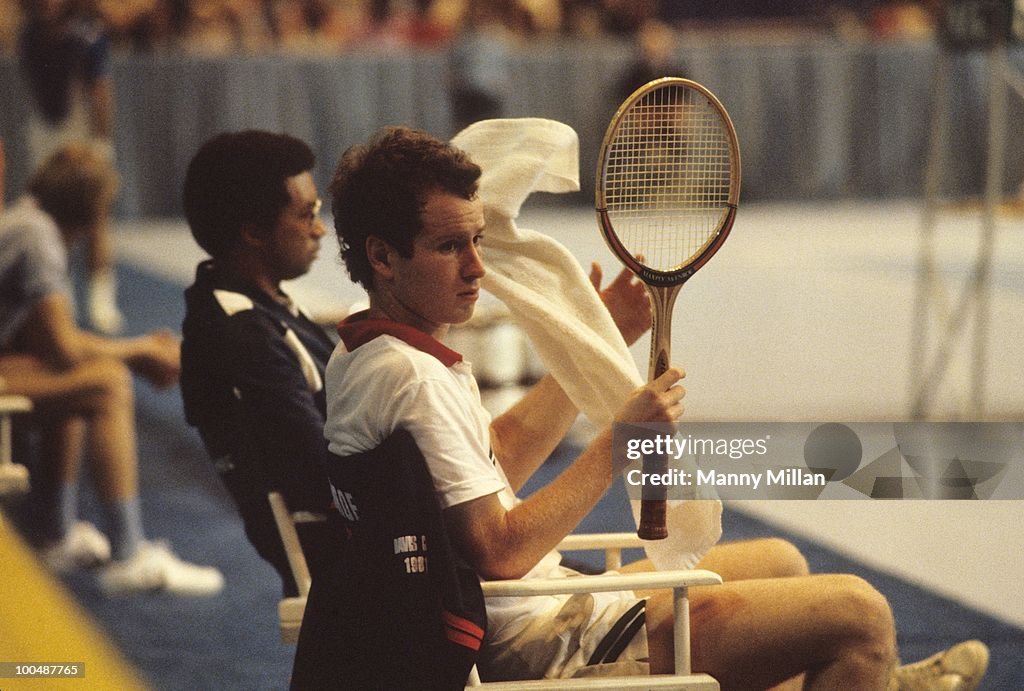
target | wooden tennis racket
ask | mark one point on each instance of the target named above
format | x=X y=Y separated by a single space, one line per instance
x=668 y=185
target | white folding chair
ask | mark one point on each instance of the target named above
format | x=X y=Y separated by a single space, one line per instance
x=13 y=477
x=291 y=609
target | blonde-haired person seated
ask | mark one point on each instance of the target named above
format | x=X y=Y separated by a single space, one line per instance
x=80 y=385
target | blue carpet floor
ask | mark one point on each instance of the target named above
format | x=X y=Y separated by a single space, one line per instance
x=231 y=642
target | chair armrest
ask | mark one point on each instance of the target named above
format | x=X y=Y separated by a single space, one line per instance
x=611 y=543
x=600 y=541
x=651 y=580
x=14 y=479
x=12 y=403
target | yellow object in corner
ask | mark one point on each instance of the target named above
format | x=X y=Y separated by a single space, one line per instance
x=45 y=634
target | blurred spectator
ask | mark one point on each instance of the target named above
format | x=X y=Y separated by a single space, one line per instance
x=344 y=23
x=218 y=27
x=422 y=27
x=902 y=20
x=655 y=57
x=845 y=23
x=407 y=23
x=581 y=18
x=64 y=55
x=545 y=16
x=626 y=17
x=142 y=25
x=315 y=26
x=480 y=79
x=295 y=24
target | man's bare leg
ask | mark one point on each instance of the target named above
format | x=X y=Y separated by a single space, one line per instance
x=97 y=393
x=748 y=560
x=55 y=481
x=751 y=559
x=760 y=633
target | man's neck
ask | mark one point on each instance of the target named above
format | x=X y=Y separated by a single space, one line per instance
x=244 y=273
x=384 y=306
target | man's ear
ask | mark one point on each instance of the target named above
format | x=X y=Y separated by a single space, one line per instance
x=251 y=236
x=379 y=254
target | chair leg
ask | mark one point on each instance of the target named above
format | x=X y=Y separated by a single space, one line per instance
x=681 y=612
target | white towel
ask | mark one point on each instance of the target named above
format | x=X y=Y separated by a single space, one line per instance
x=550 y=296
x=541 y=283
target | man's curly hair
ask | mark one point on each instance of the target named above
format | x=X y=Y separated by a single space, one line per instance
x=379 y=189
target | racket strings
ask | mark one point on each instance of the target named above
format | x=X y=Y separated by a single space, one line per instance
x=668 y=176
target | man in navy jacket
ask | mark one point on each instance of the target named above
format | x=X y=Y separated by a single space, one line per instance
x=252 y=360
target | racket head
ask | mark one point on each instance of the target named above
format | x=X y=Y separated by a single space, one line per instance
x=668 y=180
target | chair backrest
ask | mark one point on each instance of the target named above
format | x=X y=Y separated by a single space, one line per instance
x=393 y=606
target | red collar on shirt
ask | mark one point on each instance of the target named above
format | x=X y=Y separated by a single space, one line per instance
x=357 y=329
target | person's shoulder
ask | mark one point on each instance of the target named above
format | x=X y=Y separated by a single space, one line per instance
x=24 y=224
x=227 y=313
x=389 y=359
x=233 y=303
x=211 y=296
x=385 y=353
x=25 y=211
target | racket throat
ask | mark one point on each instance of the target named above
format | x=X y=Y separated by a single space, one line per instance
x=662 y=301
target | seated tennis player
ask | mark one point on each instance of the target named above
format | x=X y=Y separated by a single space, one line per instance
x=411 y=230
x=252 y=359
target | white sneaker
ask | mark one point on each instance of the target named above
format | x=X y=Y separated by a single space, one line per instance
x=155 y=568
x=83 y=547
x=959 y=668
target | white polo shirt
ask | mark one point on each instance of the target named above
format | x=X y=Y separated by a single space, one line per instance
x=385 y=375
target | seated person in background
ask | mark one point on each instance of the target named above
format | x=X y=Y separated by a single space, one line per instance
x=64 y=56
x=410 y=227
x=655 y=57
x=81 y=385
x=252 y=360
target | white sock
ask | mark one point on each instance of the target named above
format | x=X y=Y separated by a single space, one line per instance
x=104 y=314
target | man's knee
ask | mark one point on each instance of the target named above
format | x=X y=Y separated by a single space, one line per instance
x=868 y=617
x=784 y=557
x=112 y=380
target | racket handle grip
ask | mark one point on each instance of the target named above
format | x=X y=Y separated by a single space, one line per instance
x=652 y=520
x=653 y=503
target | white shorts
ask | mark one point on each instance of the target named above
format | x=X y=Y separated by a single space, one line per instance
x=589 y=634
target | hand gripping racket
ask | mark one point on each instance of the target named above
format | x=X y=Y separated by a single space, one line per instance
x=668 y=184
